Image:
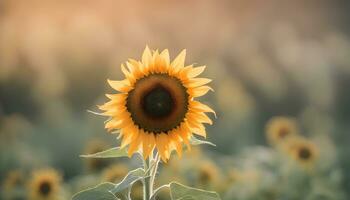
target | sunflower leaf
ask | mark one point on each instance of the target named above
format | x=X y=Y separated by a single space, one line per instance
x=196 y=141
x=129 y=180
x=100 y=192
x=181 y=192
x=116 y=152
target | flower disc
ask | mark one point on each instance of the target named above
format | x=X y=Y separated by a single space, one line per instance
x=158 y=103
x=44 y=185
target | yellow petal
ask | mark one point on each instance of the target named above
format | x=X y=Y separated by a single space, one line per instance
x=200 y=131
x=184 y=132
x=165 y=55
x=196 y=82
x=146 y=57
x=201 y=117
x=162 y=146
x=134 y=68
x=177 y=141
x=135 y=144
x=117 y=97
x=114 y=124
x=198 y=106
x=121 y=86
x=183 y=74
x=148 y=144
x=112 y=104
x=179 y=61
x=195 y=71
x=126 y=139
x=200 y=91
x=130 y=133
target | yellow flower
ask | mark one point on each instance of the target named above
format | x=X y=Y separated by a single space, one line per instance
x=155 y=106
x=44 y=185
x=303 y=151
x=92 y=147
x=208 y=175
x=115 y=173
x=278 y=129
x=13 y=181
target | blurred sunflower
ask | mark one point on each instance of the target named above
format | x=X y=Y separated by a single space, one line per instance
x=208 y=174
x=44 y=185
x=115 y=173
x=14 y=180
x=92 y=147
x=278 y=129
x=233 y=176
x=155 y=106
x=303 y=151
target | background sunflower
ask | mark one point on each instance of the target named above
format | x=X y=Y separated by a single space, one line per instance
x=44 y=184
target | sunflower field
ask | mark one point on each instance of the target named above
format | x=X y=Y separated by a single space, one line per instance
x=174 y=100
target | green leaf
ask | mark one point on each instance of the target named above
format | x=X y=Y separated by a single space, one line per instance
x=100 y=192
x=196 y=141
x=181 y=192
x=110 y=153
x=129 y=180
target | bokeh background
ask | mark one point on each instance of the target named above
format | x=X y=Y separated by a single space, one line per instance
x=266 y=59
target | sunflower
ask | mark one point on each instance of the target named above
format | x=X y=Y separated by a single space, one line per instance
x=14 y=181
x=303 y=151
x=278 y=129
x=155 y=105
x=44 y=185
x=208 y=175
x=114 y=173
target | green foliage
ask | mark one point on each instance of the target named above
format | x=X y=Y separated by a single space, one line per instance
x=196 y=141
x=116 y=152
x=181 y=192
x=108 y=191
x=129 y=180
x=100 y=192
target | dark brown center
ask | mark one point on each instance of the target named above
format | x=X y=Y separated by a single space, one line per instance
x=283 y=132
x=304 y=153
x=45 y=188
x=158 y=103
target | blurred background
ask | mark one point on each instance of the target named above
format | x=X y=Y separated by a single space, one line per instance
x=266 y=59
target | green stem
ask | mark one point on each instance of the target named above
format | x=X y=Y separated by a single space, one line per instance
x=154 y=172
x=146 y=182
x=151 y=167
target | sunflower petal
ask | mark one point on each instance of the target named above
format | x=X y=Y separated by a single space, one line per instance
x=119 y=96
x=179 y=61
x=121 y=86
x=146 y=56
x=161 y=146
x=196 y=71
x=200 y=131
x=135 y=144
x=203 y=118
x=165 y=55
x=176 y=139
x=198 y=106
x=200 y=91
x=196 y=82
x=184 y=132
x=116 y=124
x=148 y=144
